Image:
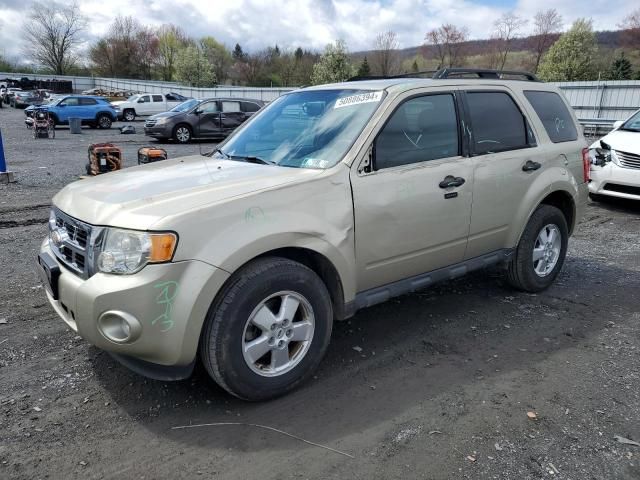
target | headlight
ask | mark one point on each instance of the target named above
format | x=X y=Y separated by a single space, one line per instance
x=128 y=251
x=162 y=120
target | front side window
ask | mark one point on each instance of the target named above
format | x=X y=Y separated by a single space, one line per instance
x=421 y=129
x=144 y=99
x=70 y=102
x=497 y=123
x=305 y=129
x=554 y=115
x=210 y=107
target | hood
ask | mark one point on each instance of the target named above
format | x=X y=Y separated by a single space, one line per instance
x=139 y=197
x=166 y=114
x=622 y=140
x=118 y=103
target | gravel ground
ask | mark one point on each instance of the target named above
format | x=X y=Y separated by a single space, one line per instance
x=439 y=385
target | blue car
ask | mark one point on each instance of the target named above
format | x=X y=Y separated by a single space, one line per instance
x=94 y=111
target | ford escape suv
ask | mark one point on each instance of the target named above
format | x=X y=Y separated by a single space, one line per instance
x=330 y=199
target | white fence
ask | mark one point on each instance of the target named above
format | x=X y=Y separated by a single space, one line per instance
x=602 y=100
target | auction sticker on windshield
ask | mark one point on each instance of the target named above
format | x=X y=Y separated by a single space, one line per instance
x=358 y=99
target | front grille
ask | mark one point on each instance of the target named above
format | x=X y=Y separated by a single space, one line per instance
x=628 y=160
x=74 y=249
x=628 y=189
x=150 y=123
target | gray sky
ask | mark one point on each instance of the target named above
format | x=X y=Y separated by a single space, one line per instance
x=312 y=24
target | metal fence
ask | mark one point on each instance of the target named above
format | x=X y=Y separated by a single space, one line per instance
x=600 y=102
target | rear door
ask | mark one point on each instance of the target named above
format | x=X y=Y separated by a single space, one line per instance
x=209 y=120
x=412 y=210
x=157 y=105
x=506 y=162
x=232 y=115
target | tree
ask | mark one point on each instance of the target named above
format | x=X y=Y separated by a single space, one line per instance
x=447 y=41
x=363 y=69
x=193 y=68
x=171 y=39
x=571 y=58
x=546 y=25
x=385 y=56
x=506 y=29
x=631 y=29
x=218 y=55
x=238 y=54
x=333 y=65
x=53 y=34
x=621 y=68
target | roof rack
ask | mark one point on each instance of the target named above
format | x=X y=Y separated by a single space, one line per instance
x=485 y=73
x=466 y=73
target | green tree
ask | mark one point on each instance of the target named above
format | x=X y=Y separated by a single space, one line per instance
x=171 y=40
x=238 y=54
x=572 y=57
x=193 y=68
x=218 y=56
x=364 y=70
x=621 y=68
x=333 y=65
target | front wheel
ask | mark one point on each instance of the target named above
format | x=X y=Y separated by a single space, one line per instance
x=182 y=134
x=129 y=115
x=104 y=121
x=268 y=329
x=541 y=252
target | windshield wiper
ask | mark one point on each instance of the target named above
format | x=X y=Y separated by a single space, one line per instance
x=217 y=150
x=251 y=159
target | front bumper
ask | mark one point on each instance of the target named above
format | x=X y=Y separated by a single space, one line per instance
x=615 y=181
x=170 y=302
x=160 y=131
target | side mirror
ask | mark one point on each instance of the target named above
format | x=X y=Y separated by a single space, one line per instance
x=62 y=105
x=141 y=100
x=618 y=124
x=197 y=111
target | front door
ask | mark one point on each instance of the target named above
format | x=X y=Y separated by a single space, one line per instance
x=209 y=120
x=413 y=206
x=143 y=106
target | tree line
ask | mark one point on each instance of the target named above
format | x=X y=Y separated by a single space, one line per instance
x=53 y=35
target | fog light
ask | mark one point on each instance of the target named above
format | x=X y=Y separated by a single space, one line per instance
x=119 y=327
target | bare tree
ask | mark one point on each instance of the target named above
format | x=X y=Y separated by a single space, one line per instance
x=448 y=42
x=546 y=26
x=385 y=57
x=52 y=35
x=631 y=27
x=506 y=29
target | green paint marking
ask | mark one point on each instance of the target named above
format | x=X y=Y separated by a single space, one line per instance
x=168 y=293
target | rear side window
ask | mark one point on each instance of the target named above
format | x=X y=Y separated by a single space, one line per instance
x=88 y=101
x=497 y=123
x=421 y=129
x=230 y=107
x=250 y=107
x=157 y=98
x=554 y=115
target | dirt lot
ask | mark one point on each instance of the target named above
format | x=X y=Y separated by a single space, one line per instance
x=439 y=390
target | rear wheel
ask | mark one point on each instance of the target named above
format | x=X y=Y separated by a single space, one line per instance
x=268 y=330
x=541 y=252
x=104 y=121
x=182 y=133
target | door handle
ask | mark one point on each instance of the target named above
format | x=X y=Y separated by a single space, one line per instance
x=530 y=166
x=451 y=181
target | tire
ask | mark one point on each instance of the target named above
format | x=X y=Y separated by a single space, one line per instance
x=525 y=273
x=129 y=115
x=104 y=121
x=264 y=284
x=182 y=133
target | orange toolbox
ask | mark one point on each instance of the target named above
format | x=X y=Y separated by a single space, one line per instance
x=151 y=154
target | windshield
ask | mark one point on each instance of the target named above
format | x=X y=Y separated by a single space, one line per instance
x=632 y=124
x=185 y=106
x=133 y=98
x=306 y=129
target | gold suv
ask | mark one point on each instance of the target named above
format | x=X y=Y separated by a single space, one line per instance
x=330 y=199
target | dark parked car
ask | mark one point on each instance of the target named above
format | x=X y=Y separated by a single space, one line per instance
x=25 y=99
x=210 y=118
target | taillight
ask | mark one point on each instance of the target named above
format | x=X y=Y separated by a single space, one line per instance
x=586 y=164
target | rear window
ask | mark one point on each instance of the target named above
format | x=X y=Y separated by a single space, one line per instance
x=554 y=115
x=497 y=123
